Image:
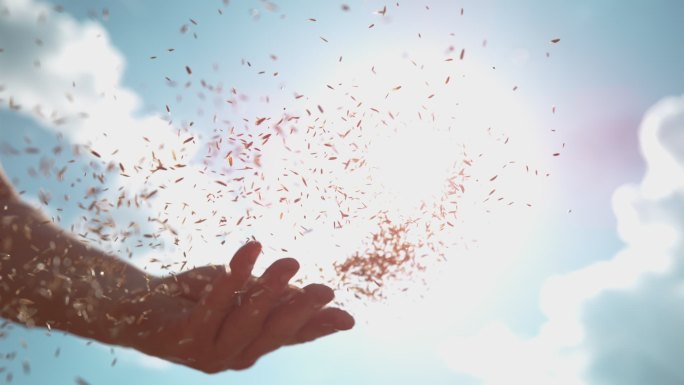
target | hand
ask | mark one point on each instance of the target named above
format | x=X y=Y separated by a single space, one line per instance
x=213 y=320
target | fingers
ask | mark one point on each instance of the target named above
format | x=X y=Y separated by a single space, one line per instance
x=220 y=295
x=245 y=322
x=284 y=323
x=325 y=322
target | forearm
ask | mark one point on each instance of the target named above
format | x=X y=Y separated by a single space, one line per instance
x=50 y=279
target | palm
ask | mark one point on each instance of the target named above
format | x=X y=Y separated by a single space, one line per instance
x=212 y=320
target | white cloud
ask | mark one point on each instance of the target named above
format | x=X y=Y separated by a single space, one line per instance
x=67 y=75
x=614 y=322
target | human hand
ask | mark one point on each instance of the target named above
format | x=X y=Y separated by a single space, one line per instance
x=213 y=320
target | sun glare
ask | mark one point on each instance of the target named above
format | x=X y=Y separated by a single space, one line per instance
x=441 y=145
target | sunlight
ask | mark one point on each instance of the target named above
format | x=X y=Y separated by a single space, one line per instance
x=419 y=128
x=410 y=165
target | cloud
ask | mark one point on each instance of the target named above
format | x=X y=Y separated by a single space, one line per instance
x=67 y=76
x=618 y=321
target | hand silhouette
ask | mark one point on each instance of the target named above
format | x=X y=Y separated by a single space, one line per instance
x=213 y=320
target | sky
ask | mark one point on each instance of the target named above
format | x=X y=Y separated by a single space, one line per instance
x=572 y=277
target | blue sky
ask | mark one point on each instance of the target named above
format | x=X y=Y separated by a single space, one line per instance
x=614 y=61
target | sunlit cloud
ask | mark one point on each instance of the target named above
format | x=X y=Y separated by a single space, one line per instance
x=615 y=321
x=67 y=75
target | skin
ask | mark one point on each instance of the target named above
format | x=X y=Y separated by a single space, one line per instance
x=210 y=318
